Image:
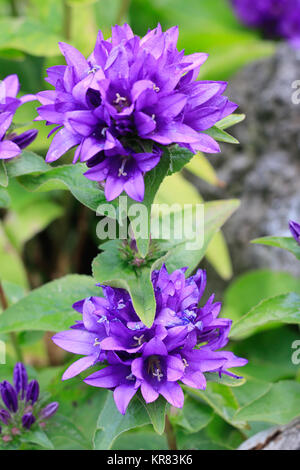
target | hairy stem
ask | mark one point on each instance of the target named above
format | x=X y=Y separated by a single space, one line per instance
x=14 y=8
x=123 y=10
x=13 y=336
x=67 y=25
x=171 y=438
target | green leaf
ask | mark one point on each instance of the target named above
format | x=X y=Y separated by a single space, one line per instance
x=153 y=179
x=109 y=268
x=215 y=215
x=221 y=399
x=112 y=423
x=200 y=166
x=266 y=362
x=32 y=219
x=28 y=162
x=140 y=439
x=279 y=405
x=11 y=266
x=3 y=174
x=4 y=199
x=38 y=437
x=65 y=435
x=218 y=256
x=67 y=177
x=230 y=121
x=179 y=157
x=194 y=415
x=27 y=35
x=286 y=243
x=247 y=290
x=282 y=308
x=157 y=413
x=224 y=380
x=221 y=136
x=13 y=292
x=185 y=193
x=49 y=308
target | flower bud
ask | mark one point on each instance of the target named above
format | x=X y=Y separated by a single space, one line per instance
x=4 y=416
x=20 y=378
x=9 y=396
x=49 y=410
x=27 y=420
x=33 y=391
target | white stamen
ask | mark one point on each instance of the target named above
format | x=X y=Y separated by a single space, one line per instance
x=156 y=88
x=119 y=99
x=185 y=362
x=121 y=169
x=96 y=342
x=139 y=339
x=153 y=117
x=158 y=374
x=93 y=70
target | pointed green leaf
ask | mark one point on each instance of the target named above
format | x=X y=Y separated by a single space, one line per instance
x=180 y=253
x=69 y=177
x=109 y=268
x=282 y=308
x=4 y=199
x=279 y=405
x=3 y=174
x=286 y=243
x=230 y=121
x=49 y=308
x=112 y=423
x=38 y=437
x=221 y=136
x=157 y=413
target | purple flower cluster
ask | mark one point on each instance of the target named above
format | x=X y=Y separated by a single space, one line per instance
x=182 y=344
x=22 y=407
x=295 y=230
x=127 y=101
x=276 y=18
x=12 y=144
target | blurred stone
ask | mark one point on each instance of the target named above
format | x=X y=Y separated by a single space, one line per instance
x=264 y=170
x=275 y=438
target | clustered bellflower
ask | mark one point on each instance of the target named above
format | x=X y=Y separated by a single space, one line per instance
x=295 y=230
x=276 y=18
x=183 y=343
x=22 y=407
x=11 y=144
x=126 y=102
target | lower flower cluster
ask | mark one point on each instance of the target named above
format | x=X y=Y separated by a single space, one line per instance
x=22 y=407
x=182 y=344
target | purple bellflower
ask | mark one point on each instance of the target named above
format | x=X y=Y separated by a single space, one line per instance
x=295 y=230
x=275 y=18
x=183 y=343
x=21 y=405
x=11 y=144
x=127 y=101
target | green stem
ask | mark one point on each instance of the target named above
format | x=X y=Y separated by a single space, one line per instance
x=171 y=438
x=14 y=8
x=67 y=27
x=123 y=10
x=13 y=336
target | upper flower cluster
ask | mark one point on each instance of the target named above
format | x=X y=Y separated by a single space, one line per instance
x=181 y=345
x=276 y=18
x=127 y=100
x=22 y=405
x=12 y=144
